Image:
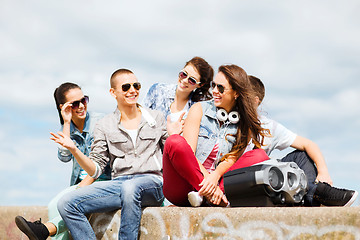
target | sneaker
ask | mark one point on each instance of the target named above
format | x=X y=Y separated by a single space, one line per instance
x=34 y=230
x=195 y=199
x=332 y=196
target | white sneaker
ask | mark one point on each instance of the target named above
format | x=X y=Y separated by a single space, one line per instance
x=195 y=199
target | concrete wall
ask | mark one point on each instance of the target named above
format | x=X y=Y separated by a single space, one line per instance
x=216 y=223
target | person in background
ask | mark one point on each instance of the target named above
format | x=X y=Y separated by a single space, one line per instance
x=216 y=133
x=192 y=86
x=306 y=155
x=78 y=124
x=131 y=140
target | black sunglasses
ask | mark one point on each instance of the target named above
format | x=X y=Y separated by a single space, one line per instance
x=125 y=87
x=76 y=104
x=220 y=87
x=191 y=80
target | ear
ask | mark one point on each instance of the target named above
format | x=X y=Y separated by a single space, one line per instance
x=236 y=95
x=61 y=105
x=257 y=101
x=112 y=92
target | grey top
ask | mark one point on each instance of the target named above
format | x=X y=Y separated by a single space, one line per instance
x=113 y=143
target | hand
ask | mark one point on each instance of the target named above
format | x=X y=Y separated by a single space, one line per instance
x=175 y=127
x=66 y=112
x=63 y=140
x=218 y=198
x=209 y=184
x=324 y=178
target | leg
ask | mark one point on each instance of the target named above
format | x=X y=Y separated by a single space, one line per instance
x=181 y=170
x=98 y=197
x=305 y=163
x=55 y=228
x=141 y=190
x=60 y=231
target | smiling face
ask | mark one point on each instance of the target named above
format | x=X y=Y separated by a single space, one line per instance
x=125 y=98
x=75 y=94
x=183 y=85
x=225 y=100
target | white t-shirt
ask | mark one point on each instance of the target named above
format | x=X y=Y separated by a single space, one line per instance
x=281 y=137
x=133 y=134
x=175 y=116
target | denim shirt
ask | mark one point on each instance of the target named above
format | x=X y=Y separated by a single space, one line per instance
x=210 y=133
x=160 y=96
x=83 y=142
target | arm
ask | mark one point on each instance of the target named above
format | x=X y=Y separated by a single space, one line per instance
x=64 y=154
x=86 y=181
x=312 y=149
x=85 y=162
x=191 y=133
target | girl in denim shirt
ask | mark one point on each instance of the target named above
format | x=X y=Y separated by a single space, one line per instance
x=78 y=124
x=193 y=165
x=192 y=86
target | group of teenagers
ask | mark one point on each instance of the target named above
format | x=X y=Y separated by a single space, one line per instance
x=173 y=148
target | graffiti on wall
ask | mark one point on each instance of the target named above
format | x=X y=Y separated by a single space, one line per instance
x=183 y=228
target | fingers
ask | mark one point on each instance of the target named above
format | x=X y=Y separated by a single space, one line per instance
x=66 y=106
x=207 y=189
x=181 y=117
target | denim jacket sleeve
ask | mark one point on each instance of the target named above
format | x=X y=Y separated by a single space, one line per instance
x=64 y=154
x=150 y=97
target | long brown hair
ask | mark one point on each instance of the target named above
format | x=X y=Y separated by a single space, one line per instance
x=249 y=126
x=206 y=73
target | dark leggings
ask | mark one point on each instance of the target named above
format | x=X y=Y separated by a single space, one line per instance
x=305 y=163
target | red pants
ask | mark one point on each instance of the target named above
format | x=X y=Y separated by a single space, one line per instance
x=181 y=170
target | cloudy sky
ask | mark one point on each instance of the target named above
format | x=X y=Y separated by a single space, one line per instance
x=306 y=52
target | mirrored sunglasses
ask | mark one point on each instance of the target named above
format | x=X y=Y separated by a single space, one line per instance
x=191 y=80
x=125 y=87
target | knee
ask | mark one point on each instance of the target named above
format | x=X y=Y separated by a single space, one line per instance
x=174 y=143
x=130 y=194
x=64 y=204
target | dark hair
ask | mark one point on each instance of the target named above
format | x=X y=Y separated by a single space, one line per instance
x=258 y=87
x=116 y=73
x=249 y=126
x=59 y=96
x=206 y=76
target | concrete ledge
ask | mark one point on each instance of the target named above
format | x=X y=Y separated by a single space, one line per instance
x=216 y=223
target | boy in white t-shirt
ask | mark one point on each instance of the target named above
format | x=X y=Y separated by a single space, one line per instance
x=307 y=156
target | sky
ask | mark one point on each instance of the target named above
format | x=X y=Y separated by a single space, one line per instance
x=307 y=53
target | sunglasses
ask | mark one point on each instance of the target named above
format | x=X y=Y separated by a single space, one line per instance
x=125 y=87
x=220 y=87
x=76 y=104
x=191 y=80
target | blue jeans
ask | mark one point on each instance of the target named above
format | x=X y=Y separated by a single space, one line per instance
x=130 y=193
x=308 y=166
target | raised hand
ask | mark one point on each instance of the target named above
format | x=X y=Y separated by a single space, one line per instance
x=66 y=112
x=63 y=140
x=175 y=127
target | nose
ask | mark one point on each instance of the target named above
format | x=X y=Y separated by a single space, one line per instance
x=216 y=90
